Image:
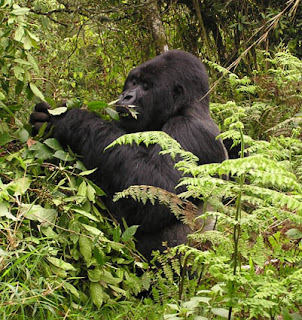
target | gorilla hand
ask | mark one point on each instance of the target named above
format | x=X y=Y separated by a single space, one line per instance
x=40 y=116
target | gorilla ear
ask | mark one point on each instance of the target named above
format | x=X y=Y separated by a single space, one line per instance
x=177 y=91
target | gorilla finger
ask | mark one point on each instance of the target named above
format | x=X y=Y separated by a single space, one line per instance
x=42 y=107
x=38 y=125
x=38 y=117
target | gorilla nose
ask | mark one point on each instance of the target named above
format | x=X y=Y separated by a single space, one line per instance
x=128 y=97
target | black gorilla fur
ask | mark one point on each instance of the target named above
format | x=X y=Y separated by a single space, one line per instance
x=170 y=94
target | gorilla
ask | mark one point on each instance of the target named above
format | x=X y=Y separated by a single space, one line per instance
x=170 y=95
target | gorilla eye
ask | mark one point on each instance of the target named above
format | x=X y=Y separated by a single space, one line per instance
x=145 y=86
x=134 y=82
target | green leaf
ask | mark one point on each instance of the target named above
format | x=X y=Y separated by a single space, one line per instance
x=72 y=289
x=99 y=256
x=97 y=105
x=22 y=186
x=2 y=96
x=36 y=91
x=221 y=312
x=91 y=193
x=129 y=233
x=92 y=230
x=97 y=294
x=27 y=43
x=19 y=71
x=20 y=11
x=86 y=248
x=19 y=33
x=19 y=86
x=38 y=213
x=294 y=234
x=63 y=155
x=23 y=135
x=41 y=151
x=57 y=111
x=82 y=191
x=109 y=278
x=87 y=172
x=61 y=264
x=112 y=113
x=53 y=144
x=32 y=36
x=95 y=275
x=86 y=214
x=33 y=63
x=75 y=103
x=4 y=212
x=5 y=138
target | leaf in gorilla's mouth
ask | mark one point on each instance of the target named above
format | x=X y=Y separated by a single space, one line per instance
x=127 y=111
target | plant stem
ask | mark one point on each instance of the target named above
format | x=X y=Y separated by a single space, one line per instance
x=236 y=231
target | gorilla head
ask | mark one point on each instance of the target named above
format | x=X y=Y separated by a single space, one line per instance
x=171 y=84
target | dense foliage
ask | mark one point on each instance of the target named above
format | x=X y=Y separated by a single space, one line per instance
x=62 y=255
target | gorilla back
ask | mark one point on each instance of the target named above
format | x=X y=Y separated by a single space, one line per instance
x=169 y=93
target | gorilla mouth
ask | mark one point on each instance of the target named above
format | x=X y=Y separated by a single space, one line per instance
x=127 y=111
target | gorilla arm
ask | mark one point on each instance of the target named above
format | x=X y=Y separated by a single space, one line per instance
x=118 y=167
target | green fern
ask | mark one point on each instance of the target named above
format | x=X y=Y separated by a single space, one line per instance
x=168 y=145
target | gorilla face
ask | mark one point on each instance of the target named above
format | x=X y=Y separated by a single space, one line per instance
x=150 y=99
x=161 y=88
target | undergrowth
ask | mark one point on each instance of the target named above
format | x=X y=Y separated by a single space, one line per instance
x=62 y=255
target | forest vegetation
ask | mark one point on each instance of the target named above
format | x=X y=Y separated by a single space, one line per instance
x=62 y=255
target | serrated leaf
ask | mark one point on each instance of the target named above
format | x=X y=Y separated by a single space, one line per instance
x=97 y=294
x=57 y=111
x=72 y=289
x=86 y=248
x=36 y=91
x=61 y=264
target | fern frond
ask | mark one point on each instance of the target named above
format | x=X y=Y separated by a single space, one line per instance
x=236 y=137
x=183 y=209
x=167 y=144
x=275 y=198
x=257 y=167
x=203 y=187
